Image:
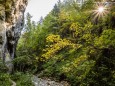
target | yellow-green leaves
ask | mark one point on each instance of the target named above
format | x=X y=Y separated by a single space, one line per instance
x=75 y=29
x=53 y=38
x=57 y=44
x=107 y=39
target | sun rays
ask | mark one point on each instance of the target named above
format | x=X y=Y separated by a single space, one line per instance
x=100 y=10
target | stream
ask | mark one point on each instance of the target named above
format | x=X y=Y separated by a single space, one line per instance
x=38 y=81
x=44 y=82
x=47 y=82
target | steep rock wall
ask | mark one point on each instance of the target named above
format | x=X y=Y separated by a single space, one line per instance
x=11 y=24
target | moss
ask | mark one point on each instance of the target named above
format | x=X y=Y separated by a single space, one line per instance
x=8 y=5
x=8 y=9
x=2 y=1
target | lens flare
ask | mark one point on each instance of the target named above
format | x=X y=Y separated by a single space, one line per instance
x=100 y=10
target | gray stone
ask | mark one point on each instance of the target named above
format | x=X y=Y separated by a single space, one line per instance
x=47 y=82
x=11 y=24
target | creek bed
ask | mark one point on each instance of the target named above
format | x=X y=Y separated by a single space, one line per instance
x=47 y=82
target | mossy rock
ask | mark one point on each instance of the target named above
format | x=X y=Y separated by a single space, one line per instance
x=2 y=1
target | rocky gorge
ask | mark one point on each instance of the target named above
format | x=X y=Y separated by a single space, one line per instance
x=11 y=24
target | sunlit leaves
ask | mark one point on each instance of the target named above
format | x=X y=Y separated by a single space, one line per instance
x=57 y=45
x=63 y=15
x=69 y=43
x=53 y=38
x=107 y=39
x=76 y=29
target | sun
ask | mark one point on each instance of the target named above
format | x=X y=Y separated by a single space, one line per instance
x=100 y=10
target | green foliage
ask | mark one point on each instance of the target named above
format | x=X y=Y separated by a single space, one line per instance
x=107 y=39
x=58 y=44
x=22 y=79
x=3 y=68
x=69 y=45
x=5 y=79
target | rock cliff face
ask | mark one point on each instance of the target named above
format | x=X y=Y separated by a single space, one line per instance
x=11 y=24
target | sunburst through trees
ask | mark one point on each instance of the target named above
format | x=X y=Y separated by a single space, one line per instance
x=101 y=10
